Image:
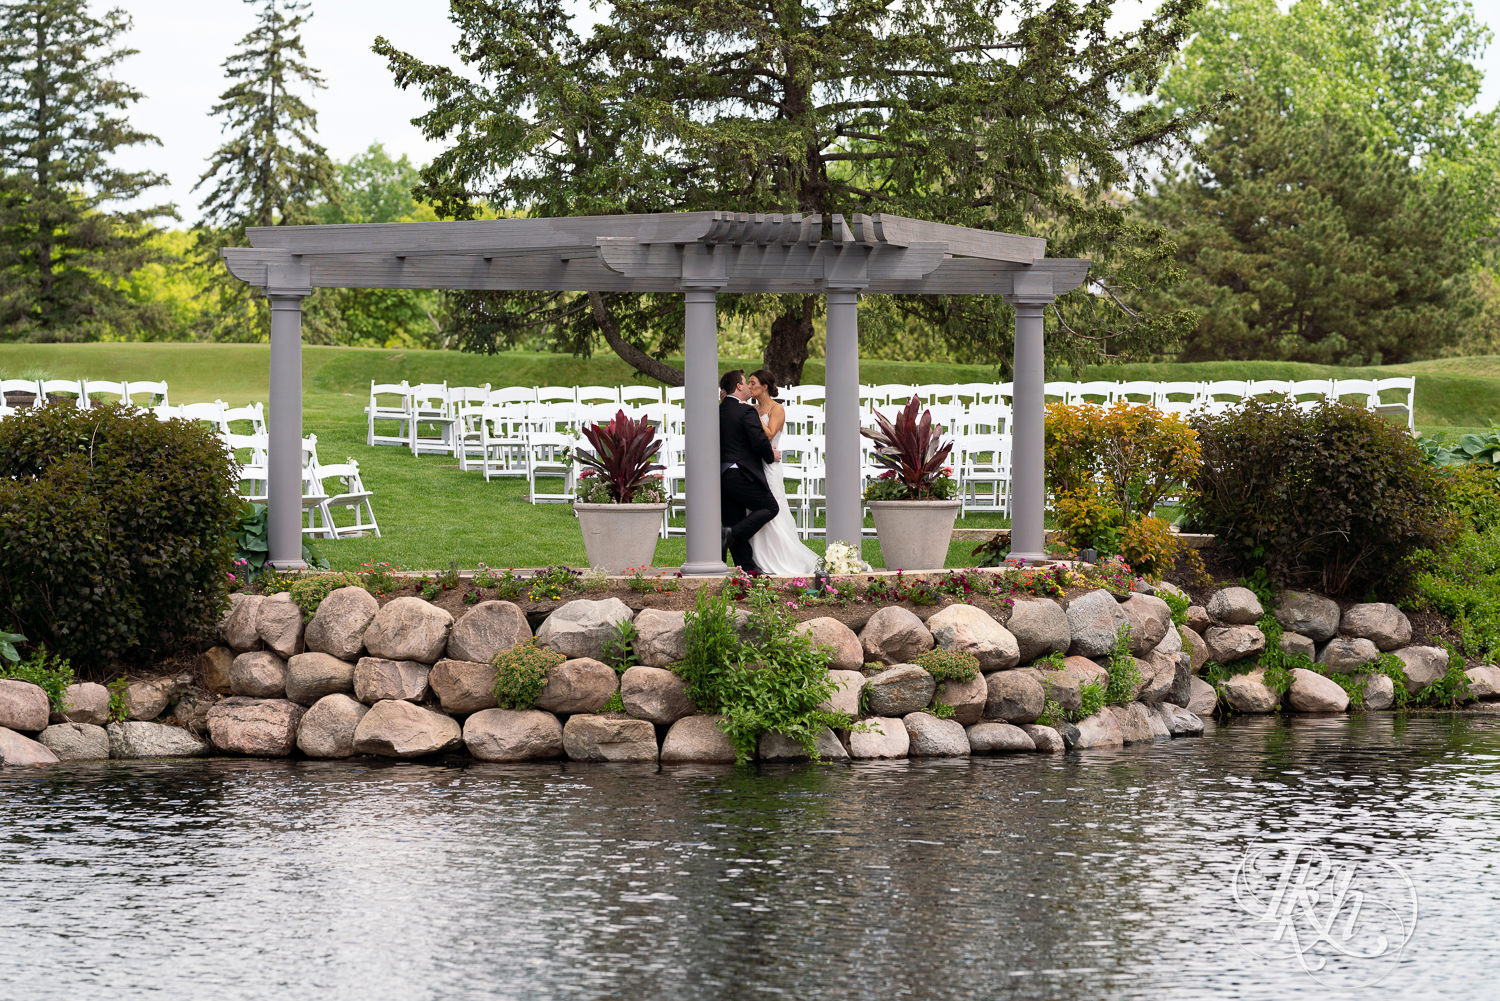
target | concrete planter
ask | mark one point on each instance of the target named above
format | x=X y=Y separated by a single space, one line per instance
x=914 y=535
x=617 y=537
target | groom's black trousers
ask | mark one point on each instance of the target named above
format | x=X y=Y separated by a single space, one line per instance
x=745 y=505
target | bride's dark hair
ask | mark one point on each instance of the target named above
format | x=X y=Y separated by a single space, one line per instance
x=766 y=379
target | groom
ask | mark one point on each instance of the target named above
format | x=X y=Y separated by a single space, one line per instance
x=745 y=499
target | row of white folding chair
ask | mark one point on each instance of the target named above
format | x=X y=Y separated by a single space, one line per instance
x=86 y=392
x=325 y=489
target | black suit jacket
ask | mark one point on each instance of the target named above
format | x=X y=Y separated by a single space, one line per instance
x=742 y=438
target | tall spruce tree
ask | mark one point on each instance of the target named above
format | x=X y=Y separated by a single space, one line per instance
x=66 y=242
x=998 y=114
x=270 y=170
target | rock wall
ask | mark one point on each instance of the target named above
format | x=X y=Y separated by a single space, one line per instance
x=404 y=680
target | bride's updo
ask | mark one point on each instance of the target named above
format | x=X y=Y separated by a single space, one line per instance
x=766 y=379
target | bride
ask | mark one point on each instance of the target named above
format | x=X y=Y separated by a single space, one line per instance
x=776 y=546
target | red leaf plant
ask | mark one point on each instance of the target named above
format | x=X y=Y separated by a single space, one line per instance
x=910 y=448
x=623 y=450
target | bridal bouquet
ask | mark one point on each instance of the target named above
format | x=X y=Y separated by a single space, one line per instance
x=841 y=559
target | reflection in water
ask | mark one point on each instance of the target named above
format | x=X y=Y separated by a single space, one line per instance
x=1105 y=874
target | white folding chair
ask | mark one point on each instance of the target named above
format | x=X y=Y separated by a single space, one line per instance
x=676 y=394
x=147 y=394
x=465 y=404
x=253 y=480
x=1136 y=392
x=804 y=419
x=98 y=392
x=21 y=394
x=511 y=394
x=1100 y=394
x=389 y=402
x=640 y=395
x=353 y=497
x=1268 y=387
x=549 y=455
x=1406 y=400
x=983 y=466
x=597 y=394
x=249 y=419
x=666 y=416
x=976 y=393
x=556 y=394
x=204 y=413
x=315 y=517
x=802 y=468
x=811 y=394
x=503 y=441
x=64 y=389
x=429 y=407
x=1178 y=398
x=1057 y=392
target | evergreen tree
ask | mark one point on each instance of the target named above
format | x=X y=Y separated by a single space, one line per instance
x=998 y=114
x=270 y=170
x=65 y=245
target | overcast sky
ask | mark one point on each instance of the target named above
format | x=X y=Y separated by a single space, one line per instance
x=183 y=43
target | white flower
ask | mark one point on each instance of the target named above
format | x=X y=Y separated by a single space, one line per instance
x=842 y=559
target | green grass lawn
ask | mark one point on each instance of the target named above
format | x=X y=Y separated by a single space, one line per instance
x=431 y=512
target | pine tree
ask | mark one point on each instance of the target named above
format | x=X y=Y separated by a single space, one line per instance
x=65 y=245
x=270 y=169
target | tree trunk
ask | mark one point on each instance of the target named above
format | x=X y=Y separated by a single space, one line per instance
x=786 y=351
x=629 y=353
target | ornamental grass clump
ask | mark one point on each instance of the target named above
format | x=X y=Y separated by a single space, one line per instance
x=913 y=454
x=620 y=470
x=521 y=674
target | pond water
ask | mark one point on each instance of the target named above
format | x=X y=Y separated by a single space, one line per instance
x=1266 y=859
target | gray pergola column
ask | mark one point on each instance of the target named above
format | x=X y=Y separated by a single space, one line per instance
x=1028 y=489
x=845 y=520
x=701 y=420
x=284 y=425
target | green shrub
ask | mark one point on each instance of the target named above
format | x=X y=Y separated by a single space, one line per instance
x=521 y=674
x=1462 y=582
x=1178 y=603
x=50 y=673
x=1053 y=661
x=948 y=665
x=1124 y=676
x=618 y=651
x=1474 y=494
x=1094 y=698
x=1333 y=498
x=114 y=532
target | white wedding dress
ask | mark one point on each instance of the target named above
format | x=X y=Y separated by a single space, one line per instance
x=776 y=547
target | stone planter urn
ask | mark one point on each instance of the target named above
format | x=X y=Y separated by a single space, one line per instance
x=617 y=537
x=914 y=534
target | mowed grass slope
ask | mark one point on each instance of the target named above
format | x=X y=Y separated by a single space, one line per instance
x=431 y=512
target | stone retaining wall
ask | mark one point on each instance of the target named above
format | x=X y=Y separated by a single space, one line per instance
x=405 y=680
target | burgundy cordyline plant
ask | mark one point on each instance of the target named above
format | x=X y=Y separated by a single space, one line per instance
x=910 y=448
x=623 y=450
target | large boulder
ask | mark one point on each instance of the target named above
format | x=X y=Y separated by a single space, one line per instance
x=1422 y=665
x=1135 y=723
x=23 y=706
x=17 y=750
x=1001 y=738
x=1202 y=697
x=76 y=741
x=513 y=735
x=1082 y=670
x=1170 y=643
x=879 y=737
x=310 y=676
x=238 y=626
x=581 y=628
x=1179 y=722
x=213 y=668
x=1484 y=682
x=261 y=728
x=259 y=674
x=146 y=700
x=580 y=685
x=655 y=694
x=587 y=737
x=1227 y=644
x=462 y=686
x=378 y=680
x=1099 y=730
x=396 y=728
x=1249 y=693
x=1094 y=621
x=1343 y=655
x=153 y=740
x=191 y=710
x=1196 y=647
x=338 y=626
x=1162 y=675
x=1198 y=619
x=905 y=688
x=279 y=625
x=844 y=650
x=1150 y=619
x=1235 y=606
x=1048 y=740
x=1014 y=696
x=1299 y=645
x=1311 y=615
x=408 y=629
x=968 y=629
x=1062 y=687
x=1379 y=691
x=775 y=747
x=660 y=637
x=1382 y=623
x=967 y=698
x=847 y=686
x=697 y=740
x=487 y=629
x=1311 y=692
x=931 y=737
x=327 y=729
x=894 y=635
x=1040 y=627
x=86 y=702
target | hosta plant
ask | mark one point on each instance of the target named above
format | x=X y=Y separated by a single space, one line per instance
x=912 y=450
x=623 y=450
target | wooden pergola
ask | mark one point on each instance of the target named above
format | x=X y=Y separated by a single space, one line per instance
x=699 y=254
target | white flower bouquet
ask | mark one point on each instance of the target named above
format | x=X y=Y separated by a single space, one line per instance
x=841 y=559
